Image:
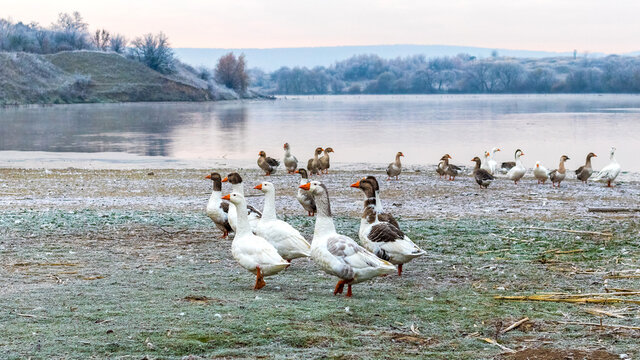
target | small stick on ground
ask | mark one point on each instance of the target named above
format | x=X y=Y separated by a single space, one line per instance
x=172 y=232
x=600 y=313
x=613 y=326
x=613 y=210
x=566 y=230
x=504 y=348
x=515 y=325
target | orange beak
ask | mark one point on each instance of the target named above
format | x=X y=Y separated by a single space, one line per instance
x=521 y=154
x=449 y=156
x=321 y=149
x=355 y=185
x=297 y=171
x=594 y=155
x=472 y=160
x=306 y=186
x=537 y=165
x=227 y=197
x=498 y=150
x=259 y=187
x=208 y=176
x=225 y=179
x=401 y=154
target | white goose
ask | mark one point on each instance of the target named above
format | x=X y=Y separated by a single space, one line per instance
x=610 y=172
x=337 y=254
x=493 y=165
x=290 y=161
x=517 y=172
x=252 y=252
x=485 y=162
x=304 y=198
x=253 y=214
x=287 y=240
x=380 y=237
x=540 y=173
x=217 y=210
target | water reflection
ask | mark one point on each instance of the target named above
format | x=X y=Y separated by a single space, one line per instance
x=359 y=128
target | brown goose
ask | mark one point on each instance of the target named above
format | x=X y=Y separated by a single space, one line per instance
x=313 y=165
x=305 y=199
x=383 y=216
x=557 y=175
x=583 y=173
x=218 y=210
x=324 y=161
x=267 y=164
x=381 y=238
x=450 y=169
x=395 y=168
x=482 y=176
x=440 y=168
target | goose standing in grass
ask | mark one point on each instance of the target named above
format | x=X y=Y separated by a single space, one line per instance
x=383 y=216
x=557 y=175
x=540 y=173
x=287 y=240
x=290 y=161
x=517 y=172
x=482 y=176
x=313 y=165
x=324 y=161
x=217 y=210
x=337 y=254
x=381 y=238
x=610 y=172
x=253 y=214
x=395 y=168
x=583 y=173
x=304 y=198
x=252 y=252
x=268 y=164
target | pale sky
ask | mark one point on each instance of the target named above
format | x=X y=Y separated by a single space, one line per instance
x=610 y=26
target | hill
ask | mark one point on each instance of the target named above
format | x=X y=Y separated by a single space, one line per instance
x=90 y=76
x=272 y=59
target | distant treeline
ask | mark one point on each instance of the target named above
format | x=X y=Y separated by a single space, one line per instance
x=371 y=74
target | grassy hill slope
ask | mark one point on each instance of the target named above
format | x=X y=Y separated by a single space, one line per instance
x=87 y=76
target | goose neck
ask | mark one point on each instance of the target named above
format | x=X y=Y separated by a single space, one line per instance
x=269 y=210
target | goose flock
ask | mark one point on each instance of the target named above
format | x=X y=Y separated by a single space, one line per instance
x=265 y=245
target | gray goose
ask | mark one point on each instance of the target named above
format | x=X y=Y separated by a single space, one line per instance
x=584 y=172
x=482 y=176
x=440 y=168
x=267 y=164
x=313 y=165
x=557 y=175
x=324 y=161
x=304 y=198
x=383 y=216
x=395 y=168
x=290 y=161
x=450 y=169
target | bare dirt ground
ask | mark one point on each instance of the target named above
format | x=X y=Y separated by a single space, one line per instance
x=125 y=264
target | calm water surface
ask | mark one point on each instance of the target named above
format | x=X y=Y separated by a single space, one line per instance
x=361 y=129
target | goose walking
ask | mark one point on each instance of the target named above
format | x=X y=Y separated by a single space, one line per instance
x=583 y=173
x=304 y=198
x=339 y=255
x=558 y=175
x=252 y=252
x=610 y=172
x=381 y=238
x=253 y=214
x=395 y=168
x=517 y=172
x=290 y=161
x=218 y=210
x=482 y=176
x=268 y=164
x=287 y=240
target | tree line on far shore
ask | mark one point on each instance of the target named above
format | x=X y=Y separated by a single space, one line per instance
x=71 y=33
x=371 y=74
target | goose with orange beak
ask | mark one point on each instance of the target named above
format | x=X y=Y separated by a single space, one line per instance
x=540 y=173
x=313 y=165
x=517 y=172
x=557 y=175
x=236 y=186
x=395 y=168
x=583 y=173
x=493 y=164
x=339 y=255
x=253 y=252
x=381 y=238
x=268 y=164
x=217 y=210
x=290 y=161
x=287 y=240
x=482 y=176
x=304 y=198
x=450 y=169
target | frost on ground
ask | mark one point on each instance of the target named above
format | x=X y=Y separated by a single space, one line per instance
x=111 y=263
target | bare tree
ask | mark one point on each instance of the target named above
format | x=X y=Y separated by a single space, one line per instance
x=231 y=73
x=101 y=39
x=154 y=51
x=118 y=43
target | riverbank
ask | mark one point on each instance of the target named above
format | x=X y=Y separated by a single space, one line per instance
x=121 y=263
